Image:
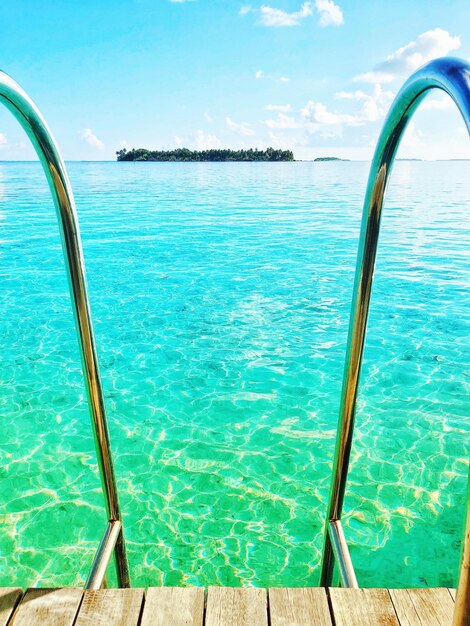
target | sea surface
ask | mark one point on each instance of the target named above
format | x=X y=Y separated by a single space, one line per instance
x=221 y=295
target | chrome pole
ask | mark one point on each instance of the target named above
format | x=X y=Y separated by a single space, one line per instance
x=341 y=554
x=28 y=115
x=462 y=599
x=449 y=75
x=97 y=574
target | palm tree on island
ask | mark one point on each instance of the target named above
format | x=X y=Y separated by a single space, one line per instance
x=223 y=154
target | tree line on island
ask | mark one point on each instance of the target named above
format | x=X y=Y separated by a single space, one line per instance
x=184 y=154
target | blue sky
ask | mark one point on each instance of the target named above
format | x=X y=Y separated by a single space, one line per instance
x=313 y=76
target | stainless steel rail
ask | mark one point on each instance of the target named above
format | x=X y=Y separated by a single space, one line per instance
x=103 y=555
x=452 y=76
x=27 y=114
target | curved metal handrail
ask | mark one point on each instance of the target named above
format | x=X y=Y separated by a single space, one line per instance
x=452 y=76
x=28 y=115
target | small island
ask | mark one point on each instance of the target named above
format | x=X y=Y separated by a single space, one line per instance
x=184 y=154
x=329 y=159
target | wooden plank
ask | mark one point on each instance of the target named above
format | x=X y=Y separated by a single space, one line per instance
x=304 y=606
x=362 y=607
x=174 y=606
x=230 y=606
x=111 y=607
x=453 y=593
x=54 y=607
x=9 y=597
x=423 y=607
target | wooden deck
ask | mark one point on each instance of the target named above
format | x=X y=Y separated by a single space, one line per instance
x=226 y=606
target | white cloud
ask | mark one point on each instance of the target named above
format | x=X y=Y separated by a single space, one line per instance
x=278 y=107
x=92 y=140
x=276 y=141
x=374 y=77
x=351 y=95
x=433 y=104
x=178 y=141
x=413 y=137
x=365 y=108
x=270 y=16
x=205 y=141
x=316 y=117
x=373 y=106
x=3 y=139
x=329 y=12
x=285 y=141
x=240 y=129
x=281 y=79
x=405 y=60
x=208 y=117
x=282 y=122
x=317 y=112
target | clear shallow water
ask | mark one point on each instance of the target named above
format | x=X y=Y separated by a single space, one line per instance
x=220 y=295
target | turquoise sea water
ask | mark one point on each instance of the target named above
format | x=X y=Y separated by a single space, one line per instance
x=221 y=295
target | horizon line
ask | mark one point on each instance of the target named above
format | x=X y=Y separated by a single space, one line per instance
x=315 y=160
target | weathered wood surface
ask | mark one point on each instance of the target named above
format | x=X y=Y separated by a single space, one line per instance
x=54 y=607
x=175 y=606
x=423 y=607
x=363 y=607
x=233 y=606
x=111 y=607
x=302 y=606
